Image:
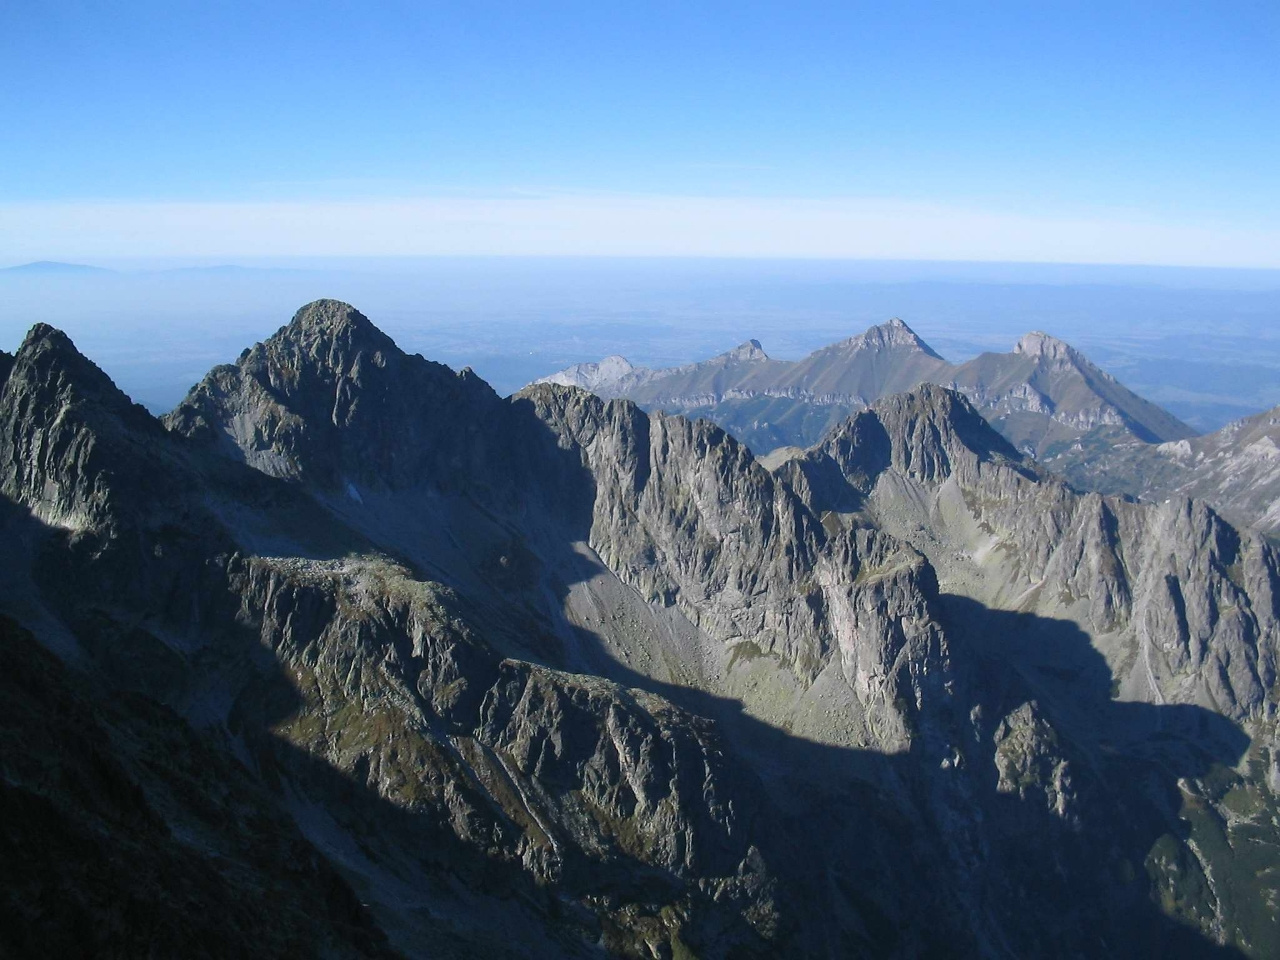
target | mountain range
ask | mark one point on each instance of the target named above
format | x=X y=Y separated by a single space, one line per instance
x=1045 y=397
x=350 y=656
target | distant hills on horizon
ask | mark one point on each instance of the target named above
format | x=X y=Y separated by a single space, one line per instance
x=61 y=268
x=1208 y=356
x=54 y=267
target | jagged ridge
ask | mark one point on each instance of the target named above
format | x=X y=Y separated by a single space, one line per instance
x=512 y=685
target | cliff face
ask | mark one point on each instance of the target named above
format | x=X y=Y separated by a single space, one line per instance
x=1182 y=604
x=532 y=677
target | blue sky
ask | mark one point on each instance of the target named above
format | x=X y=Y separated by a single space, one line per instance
x=1086 y=132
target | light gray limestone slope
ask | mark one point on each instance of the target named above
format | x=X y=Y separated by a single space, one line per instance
x=1237 y=469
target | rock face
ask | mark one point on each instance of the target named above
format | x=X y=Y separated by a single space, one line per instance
x=1181 y=603
x=548 y=676
x=591 y=376
x=1237 y=469
x=332 y=399
x=1045 y=397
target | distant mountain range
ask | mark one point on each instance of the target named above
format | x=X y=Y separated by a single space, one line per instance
x=1045 y=397
x=53 y=267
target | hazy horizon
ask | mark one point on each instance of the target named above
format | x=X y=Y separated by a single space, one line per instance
x=1199 y=342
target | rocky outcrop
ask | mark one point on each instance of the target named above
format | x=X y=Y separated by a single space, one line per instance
x=569 y=781
x=332 y=399
x=1029 y=763
x=73 y=448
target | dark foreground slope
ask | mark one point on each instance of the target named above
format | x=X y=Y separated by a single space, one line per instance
x=553 y=677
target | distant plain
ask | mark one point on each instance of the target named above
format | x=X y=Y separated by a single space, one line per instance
x=1203 y=343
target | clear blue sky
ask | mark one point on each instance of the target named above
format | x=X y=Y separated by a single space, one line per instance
x=549 y=122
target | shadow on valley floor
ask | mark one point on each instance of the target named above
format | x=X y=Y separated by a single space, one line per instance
x=1028 y=819
x=1046 y=857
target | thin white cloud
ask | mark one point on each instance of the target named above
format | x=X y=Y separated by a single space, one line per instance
x=615 y=226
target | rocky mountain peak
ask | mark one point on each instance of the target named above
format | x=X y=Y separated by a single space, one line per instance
x=945 y=415
x=593 y=376
x=924 y=434
x=332 y=317
x=50 y=366
x=44 y=340
x=331 y=400
x=1040 y=344
x=337 y=327
x=886 y=336
x=751 y=350
x=73 y=447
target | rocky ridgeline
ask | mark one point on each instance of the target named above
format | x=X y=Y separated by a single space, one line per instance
x=540 y=676
x=1184 y=603
x=1237 y=469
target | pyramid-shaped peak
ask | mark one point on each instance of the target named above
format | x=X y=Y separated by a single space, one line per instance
x=930 y=427
x=930 y=401
x=332 y=330
x=894 y=332
x=49 y=366
x=48 y=347
x=44 y=337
